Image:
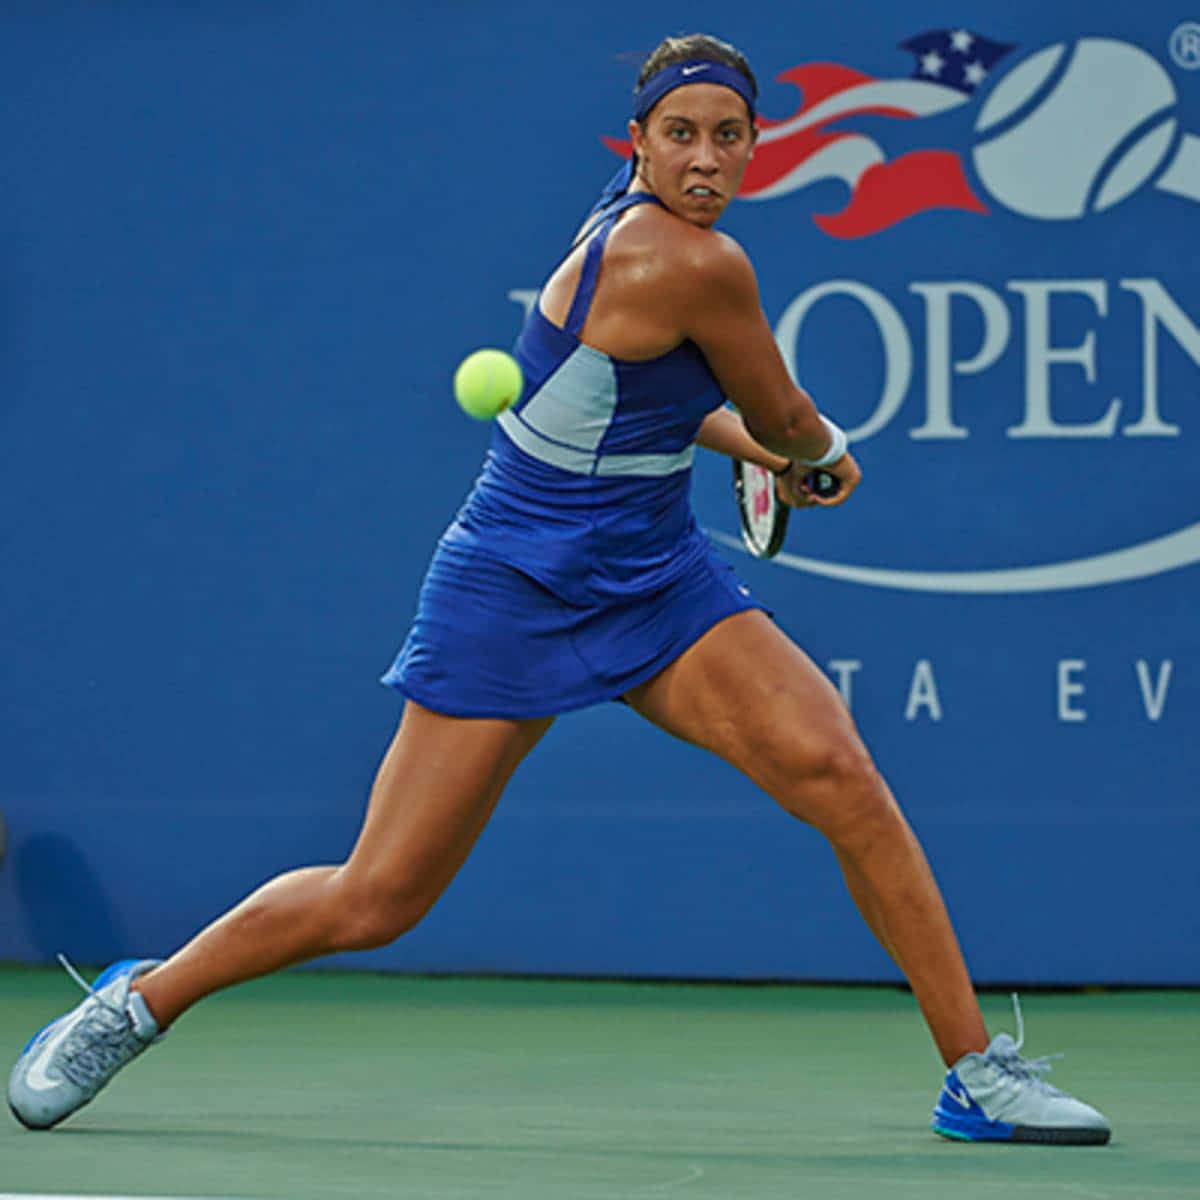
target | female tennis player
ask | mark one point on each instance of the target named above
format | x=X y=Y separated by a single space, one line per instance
x=574 y=574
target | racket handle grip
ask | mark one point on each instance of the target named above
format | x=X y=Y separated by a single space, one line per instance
x=823 y=484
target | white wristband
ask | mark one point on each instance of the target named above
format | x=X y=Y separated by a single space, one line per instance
x=837 y=447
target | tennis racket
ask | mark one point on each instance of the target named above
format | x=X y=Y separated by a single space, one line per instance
x=764 y=516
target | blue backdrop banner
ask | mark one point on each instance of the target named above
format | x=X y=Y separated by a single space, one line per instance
x=242 y=249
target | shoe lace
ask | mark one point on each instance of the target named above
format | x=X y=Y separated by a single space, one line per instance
x=106 y=1045
x=1005 y=1054
x=87 y=987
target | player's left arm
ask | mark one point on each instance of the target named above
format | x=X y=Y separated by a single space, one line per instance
x=725 y=432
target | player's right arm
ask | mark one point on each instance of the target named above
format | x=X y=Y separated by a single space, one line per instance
x=719 y=309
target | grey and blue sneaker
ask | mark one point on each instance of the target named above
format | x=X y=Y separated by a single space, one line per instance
x=72 y=1058
x=998 y=1096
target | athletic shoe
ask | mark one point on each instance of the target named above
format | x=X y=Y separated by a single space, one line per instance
x=998 y=1096
x=72 y=1058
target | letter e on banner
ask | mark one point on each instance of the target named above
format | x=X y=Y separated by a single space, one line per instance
x=1069 y=687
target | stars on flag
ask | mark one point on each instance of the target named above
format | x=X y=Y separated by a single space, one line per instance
x=975 y=73
x=955 y=58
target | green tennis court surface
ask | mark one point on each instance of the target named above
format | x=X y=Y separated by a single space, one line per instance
x=334 y=1085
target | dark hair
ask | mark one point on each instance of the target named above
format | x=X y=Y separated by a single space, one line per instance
x=689 y=46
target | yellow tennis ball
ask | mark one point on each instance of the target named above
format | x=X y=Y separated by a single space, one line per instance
x=486 y=383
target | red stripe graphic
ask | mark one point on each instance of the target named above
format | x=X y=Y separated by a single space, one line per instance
x=892 y=192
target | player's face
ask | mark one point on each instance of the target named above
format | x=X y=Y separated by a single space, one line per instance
x=695 y=149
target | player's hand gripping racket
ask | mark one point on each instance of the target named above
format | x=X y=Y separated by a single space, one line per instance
x=763 y=515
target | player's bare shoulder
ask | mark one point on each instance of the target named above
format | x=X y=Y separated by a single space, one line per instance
x=681 y=261
x=717 y=268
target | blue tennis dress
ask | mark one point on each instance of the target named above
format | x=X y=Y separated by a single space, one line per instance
x=574 y=569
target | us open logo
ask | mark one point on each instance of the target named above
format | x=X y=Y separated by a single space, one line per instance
x=1060 y=135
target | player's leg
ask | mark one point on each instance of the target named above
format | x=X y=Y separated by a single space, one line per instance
x=435 y=790
x=433 y=794
x=747 y=693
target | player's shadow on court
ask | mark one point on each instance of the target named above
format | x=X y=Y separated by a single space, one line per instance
x=64 y=906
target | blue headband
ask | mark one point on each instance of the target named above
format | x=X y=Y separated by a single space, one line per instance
x=656 y=87
x=697 y=70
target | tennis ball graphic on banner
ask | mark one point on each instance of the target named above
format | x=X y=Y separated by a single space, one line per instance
x=1075 y=130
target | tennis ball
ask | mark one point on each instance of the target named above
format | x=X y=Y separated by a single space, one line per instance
x=486 y=383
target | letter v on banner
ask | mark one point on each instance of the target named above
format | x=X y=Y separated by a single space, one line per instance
x=1154 y=697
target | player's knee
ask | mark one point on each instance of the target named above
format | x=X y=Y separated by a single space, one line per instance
x=372 y=915
x=836 y=788
x=835 y=764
